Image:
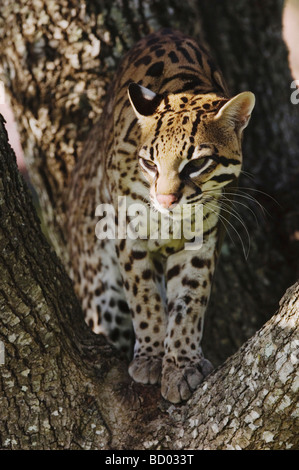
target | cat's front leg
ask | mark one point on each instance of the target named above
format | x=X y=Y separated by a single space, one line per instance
x=147 y=309
x=189 y=277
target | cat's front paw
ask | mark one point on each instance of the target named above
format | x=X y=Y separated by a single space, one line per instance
x=146 y=370
x=177 y=383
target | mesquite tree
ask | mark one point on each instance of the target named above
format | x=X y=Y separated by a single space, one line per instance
x=61 y=386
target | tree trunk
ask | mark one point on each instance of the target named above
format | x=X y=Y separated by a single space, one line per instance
x=63 y=387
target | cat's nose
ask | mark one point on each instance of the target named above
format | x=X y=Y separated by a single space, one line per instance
x=167 y=200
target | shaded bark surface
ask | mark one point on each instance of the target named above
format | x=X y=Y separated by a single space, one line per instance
x=59 y=378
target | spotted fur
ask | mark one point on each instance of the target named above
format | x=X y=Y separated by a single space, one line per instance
x=169 y=136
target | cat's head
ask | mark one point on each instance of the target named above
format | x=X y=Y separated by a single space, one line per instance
x=190 y=144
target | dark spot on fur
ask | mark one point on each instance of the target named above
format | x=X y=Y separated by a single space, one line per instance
x=173 y=57
x=147 y=274
x=197 y=262
x=155 y=70
x=114 y=335
x=143 y=61
x=108 y=317
x=193 y=283
x=174 y=271
x=123 y=306
x=158 y=266
x=178 y=318
x=139 y=254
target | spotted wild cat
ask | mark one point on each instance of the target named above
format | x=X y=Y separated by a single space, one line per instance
x=169 y=137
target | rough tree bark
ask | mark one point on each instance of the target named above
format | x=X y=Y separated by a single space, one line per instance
x=63 y=387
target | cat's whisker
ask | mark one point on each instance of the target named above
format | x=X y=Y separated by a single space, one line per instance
x=237 y=193
x=222 y=218
x=241 y=204
x=251 y=200
x=248 y=189
x=227 y=221
x=248 y=174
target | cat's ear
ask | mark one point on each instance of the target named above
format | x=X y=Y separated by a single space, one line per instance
x=144 y=101
x=237 y=111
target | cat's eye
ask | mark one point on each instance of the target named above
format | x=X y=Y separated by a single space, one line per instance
x=195 y=167
x=147 y=164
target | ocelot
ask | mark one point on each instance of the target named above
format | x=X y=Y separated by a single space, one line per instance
x=168 y=143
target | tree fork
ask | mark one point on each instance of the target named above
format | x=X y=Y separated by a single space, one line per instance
x=62 y=387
